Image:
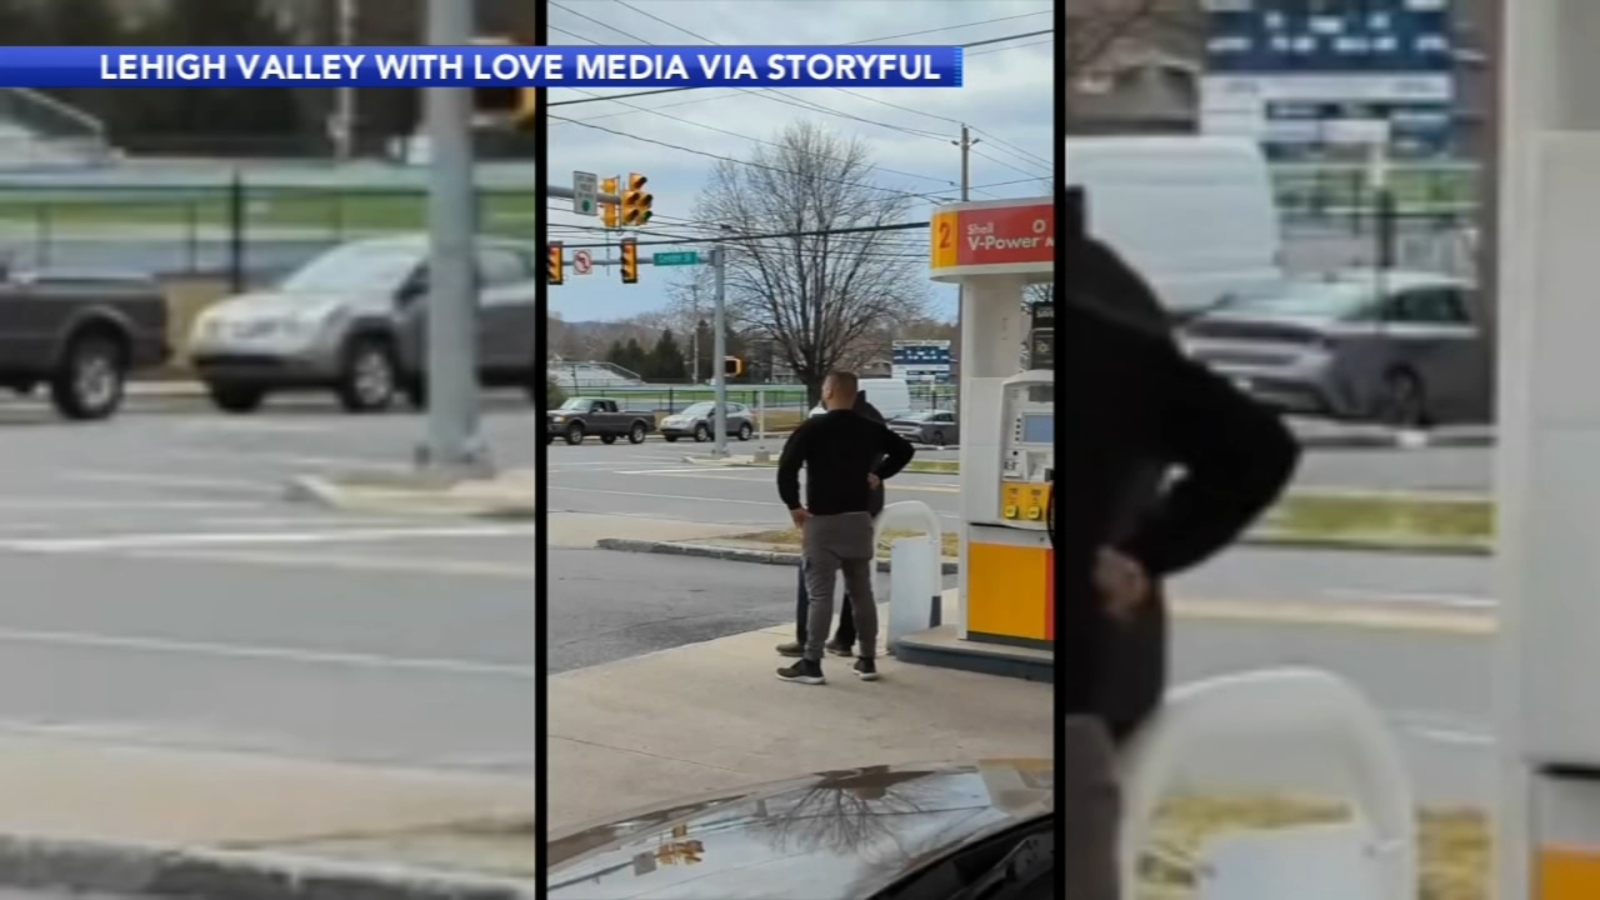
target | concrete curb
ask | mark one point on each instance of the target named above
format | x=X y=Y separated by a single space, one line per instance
x=1386 y=439
x=418 y=495
x=728 y=554
x=951 y=567
x=200 y=874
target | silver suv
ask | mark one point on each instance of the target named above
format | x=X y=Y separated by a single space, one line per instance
x=352 y=320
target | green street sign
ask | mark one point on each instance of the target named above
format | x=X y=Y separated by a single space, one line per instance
x=676 y=258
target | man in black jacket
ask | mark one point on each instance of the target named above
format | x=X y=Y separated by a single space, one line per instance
x=844 y=639
x=1130 y=403
x=846 y=457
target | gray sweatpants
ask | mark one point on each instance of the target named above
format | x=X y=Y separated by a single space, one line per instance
x=834 y=544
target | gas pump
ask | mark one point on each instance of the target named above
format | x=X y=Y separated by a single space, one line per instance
x=995 y=250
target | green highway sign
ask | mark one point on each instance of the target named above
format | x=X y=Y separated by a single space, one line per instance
x=676 y=258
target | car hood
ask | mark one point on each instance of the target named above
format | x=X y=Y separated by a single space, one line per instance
x=841 y=835
x=271 y=304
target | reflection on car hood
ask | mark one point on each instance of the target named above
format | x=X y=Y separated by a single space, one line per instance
x=268 y=304
x=831 y=836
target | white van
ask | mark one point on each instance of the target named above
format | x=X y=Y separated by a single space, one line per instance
x=890 y=396
x=1196 y=215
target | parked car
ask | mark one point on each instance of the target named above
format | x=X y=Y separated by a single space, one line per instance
x=940 y=830
x=695 y=421
x=354 y=320
x=579 y=417
x=1397 y=347
x=80 y=333
x=936 y=427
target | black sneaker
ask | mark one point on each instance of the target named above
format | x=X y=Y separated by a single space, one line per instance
x=803 y=672
x=791 y=649
x=866 y=669
x=838 y=649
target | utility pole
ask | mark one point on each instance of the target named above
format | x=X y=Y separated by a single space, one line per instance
x=344 y=115
x=719 y=352
x=454 y=443
x=694 y=338
x=966 y=143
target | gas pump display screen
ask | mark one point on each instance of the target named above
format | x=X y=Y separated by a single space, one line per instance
x=1039 y=429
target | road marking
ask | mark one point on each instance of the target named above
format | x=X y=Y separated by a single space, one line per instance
x=1456 y=736
x=397 y=565
x=1379 y=595
x=156 y=479
x=1373 y=616
x=216 y=539
x=90 y=640
x=573 y=490
x=66 y=504
x=340 y=462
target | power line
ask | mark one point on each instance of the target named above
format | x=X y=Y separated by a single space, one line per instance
x=674 y=90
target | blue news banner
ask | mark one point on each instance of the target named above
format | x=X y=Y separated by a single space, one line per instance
x=481 y=66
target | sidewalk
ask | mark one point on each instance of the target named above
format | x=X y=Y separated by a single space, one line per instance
x=713 y=716
x=115 y=817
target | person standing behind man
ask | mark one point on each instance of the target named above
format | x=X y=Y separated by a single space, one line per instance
x=847 y=457
x=844 y=639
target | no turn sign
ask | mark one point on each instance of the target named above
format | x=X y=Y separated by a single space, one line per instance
x=582 y=262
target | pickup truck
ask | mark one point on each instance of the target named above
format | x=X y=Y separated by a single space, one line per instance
x=80 y=334
x=582 y=416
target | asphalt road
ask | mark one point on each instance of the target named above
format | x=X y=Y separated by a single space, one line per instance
x=158 y=583
x=1433 y=689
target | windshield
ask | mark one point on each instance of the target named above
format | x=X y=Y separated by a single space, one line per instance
x=577 y=403
x=698 y=409
x=915 y=416
x=353 y=268
x=1310 y=299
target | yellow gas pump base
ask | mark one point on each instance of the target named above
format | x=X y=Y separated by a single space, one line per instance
x=1004 y=624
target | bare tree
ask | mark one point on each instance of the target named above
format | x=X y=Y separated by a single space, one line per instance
x=811 y=265
x=1097 y=28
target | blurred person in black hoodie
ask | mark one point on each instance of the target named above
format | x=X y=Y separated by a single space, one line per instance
x=844 y=639
x=1136 y=413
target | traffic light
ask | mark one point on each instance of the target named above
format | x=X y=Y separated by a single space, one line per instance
x=636 y=201
x=515 y=105
x=630 y=261
x=555 y=266
x=732 y=366
x=609 y=214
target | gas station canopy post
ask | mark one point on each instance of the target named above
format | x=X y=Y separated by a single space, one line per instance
x=1547 y=495
x=995 y=250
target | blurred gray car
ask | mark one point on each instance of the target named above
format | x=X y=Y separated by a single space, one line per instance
x=936 y=427
x=353 y=320
x=1396 y=347
x=695 y=422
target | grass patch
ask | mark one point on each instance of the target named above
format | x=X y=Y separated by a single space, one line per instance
x=1453 y=844
x=938 y=466
x=1406 y=519
x=323 y=210
x=790 y=537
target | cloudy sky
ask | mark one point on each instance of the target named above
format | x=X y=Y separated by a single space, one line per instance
x=674 y=139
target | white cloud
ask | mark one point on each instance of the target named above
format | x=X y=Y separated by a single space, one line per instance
x=675 y=137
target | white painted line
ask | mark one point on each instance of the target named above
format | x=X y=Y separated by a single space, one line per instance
x=690 y=499
x=65 y=504
x=389 y=565
x=1459 y=737
x=88 y=640
x=223 y=539
x=157 y=479
x=365 y=464
x=1382 y=595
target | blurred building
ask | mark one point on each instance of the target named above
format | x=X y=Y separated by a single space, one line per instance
x=1309 y=77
